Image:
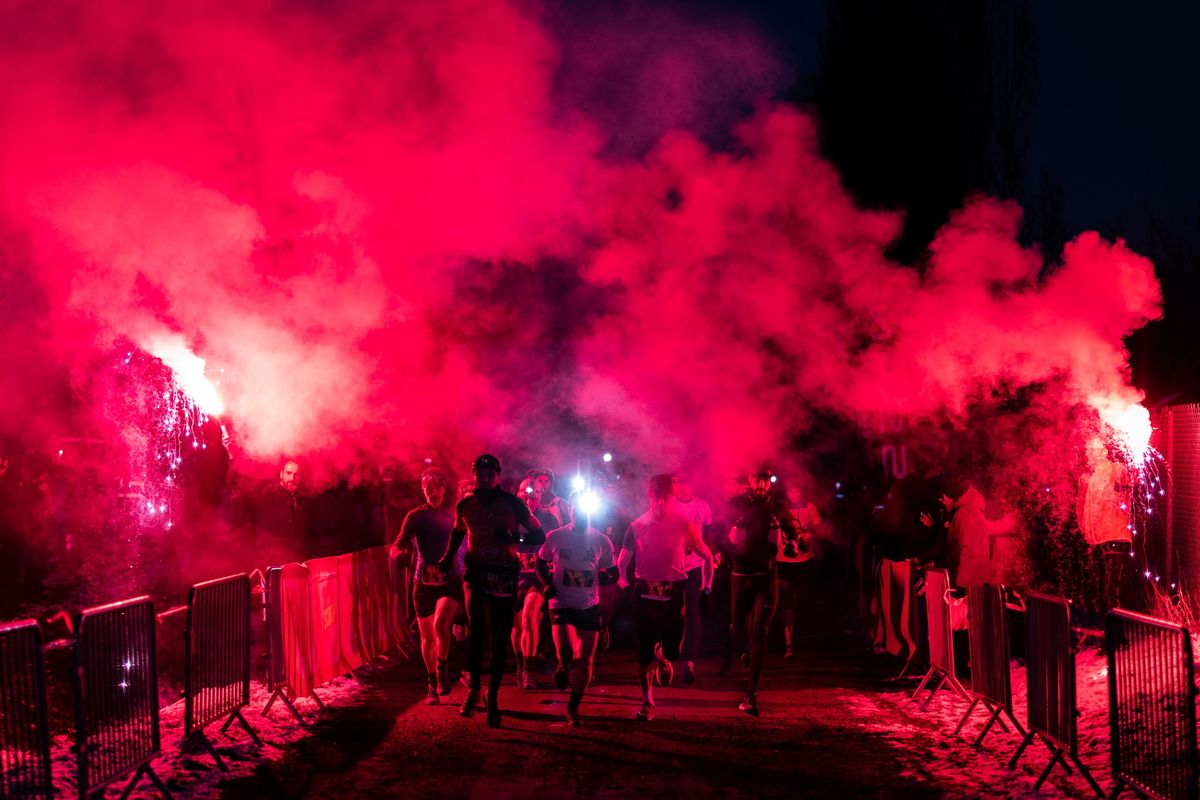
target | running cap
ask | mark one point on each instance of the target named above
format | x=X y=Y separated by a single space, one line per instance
x=433 y=474
x=486 y=461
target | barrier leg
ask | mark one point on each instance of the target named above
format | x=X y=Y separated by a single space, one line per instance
x=1087 y=775
x=933 y=691
x=1026 y=740
x=966 y=716
x=924 y=681
x=145 y=769
x=317 y=698
x=992 y=718
x=199 y=741
x=237 y=714
x=1055 y=758
x=1120 y=784
x=281 y=694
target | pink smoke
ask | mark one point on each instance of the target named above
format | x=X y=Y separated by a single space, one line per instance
x=384 y=223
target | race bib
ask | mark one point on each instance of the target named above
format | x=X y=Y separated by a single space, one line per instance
x=498 y=585
x=656 y=590
x=579 y=578
x=432 y=576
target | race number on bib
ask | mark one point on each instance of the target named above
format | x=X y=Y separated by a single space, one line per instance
x=498 y=585
x=431 y=575
x=656 y=590
x=579 y=578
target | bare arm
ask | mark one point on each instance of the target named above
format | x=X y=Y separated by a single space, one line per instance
x=623 y=566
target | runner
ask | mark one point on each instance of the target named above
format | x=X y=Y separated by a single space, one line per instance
x=695 y=510
x=659 y=539
x=759 y=519
x=550 y=502
x=437 y=595
x=795 y=564
x=490 y=519
x=527 y=623
x=575 y=560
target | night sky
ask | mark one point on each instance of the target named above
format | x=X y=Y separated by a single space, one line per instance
x=1114 y=112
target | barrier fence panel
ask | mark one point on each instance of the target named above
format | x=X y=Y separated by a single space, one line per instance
x=941 y=636
x=1152 y=706
x=116 y=695
x=217 y=653
x=24 y=733
x=1050 y=674
x=898 y=620
x=276 y=668
x=991 y=679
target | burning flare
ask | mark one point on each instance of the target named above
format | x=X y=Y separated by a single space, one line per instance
x=188 y=369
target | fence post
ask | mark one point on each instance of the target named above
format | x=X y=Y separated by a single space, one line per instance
x=217 y=654
x=991 y=679
x=24 y=731
x=1050 y=675
x=941 y=636
x=116 y=695
x=1152 y=706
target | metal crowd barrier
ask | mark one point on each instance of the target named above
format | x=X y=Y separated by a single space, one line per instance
x=941 y=636
x=897 y=627
x=217 y=655
x=1152 y=706
x=1050 y=673
x=24 y=732
x=276 y=670
x=116 y=695
x=991 y=678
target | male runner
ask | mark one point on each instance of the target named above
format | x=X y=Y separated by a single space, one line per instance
x=573 y=562
x=759 y=519
x=659 y=539
x=687 y=505
x=490 y=519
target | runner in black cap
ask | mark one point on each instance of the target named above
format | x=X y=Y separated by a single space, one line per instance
x=490 y=519
x=761 y=519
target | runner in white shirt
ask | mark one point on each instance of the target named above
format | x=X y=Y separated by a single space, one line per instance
x=692 y=508
x=573 y=562
x=659 y=539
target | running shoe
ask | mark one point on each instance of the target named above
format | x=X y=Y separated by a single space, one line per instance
x=493 y=711
x=469 y=704
x=560 y=678
x=465 y=678
x=443 y=679
x=689 y=673
x=528 y=681
x=646 y=714
x=749 y=705
x=790 y=653
x=431 y=697
x=573 y=718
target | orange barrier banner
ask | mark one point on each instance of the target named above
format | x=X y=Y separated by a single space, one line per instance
x=338 y=613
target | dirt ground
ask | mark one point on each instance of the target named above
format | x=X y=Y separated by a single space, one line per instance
x=807 y=743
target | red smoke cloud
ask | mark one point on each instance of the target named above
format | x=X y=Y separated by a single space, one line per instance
x=400 y=223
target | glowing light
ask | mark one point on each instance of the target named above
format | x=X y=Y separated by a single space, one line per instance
x=528 y=490
x=607 y=457
x=774 y=478
x=589 y=503
x=188 y=369
x=578 y=483
x=60 y=452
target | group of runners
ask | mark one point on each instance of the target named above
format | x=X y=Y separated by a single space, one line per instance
x=506 y=557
